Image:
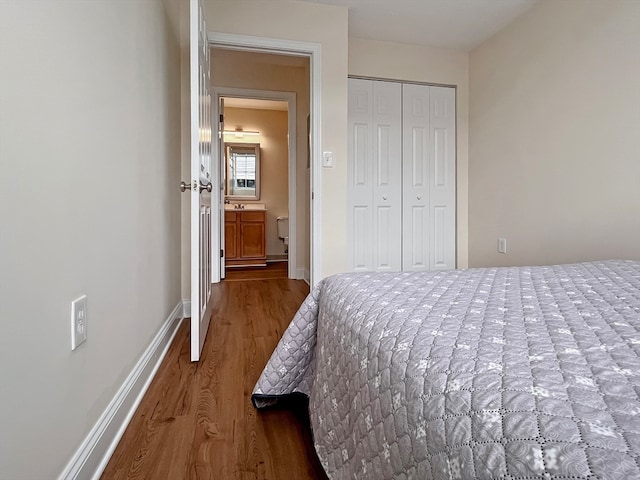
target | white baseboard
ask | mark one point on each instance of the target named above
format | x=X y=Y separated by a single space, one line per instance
x=94 y=453
x=303 y=274
x=300 y=274
x=186 y=308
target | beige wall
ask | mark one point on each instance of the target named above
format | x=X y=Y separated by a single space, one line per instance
x=326 y=26
x=554 y=146
x=274 y=163
x=395 y=61
x=89 y=160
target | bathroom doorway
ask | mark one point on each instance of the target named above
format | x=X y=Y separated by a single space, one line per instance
x=277 y=122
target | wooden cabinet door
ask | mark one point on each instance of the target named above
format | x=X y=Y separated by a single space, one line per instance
x=230 y=235
x=251 y=244
x=252 y=240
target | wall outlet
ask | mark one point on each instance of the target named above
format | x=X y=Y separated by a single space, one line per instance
x=502 y=245
x=78 y=321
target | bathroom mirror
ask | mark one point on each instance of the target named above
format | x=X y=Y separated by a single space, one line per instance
x=243 y=171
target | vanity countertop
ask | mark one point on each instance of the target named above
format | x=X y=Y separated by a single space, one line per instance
x=245 y=206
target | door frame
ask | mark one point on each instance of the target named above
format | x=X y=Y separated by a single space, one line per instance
x=313 y=51
x=290 y=98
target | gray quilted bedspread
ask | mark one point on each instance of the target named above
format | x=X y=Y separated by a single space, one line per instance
x=514 y=373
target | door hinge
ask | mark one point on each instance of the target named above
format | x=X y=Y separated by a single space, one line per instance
x=221 y=118
x=221 y=253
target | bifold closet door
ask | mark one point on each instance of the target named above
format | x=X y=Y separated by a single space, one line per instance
x=401 y=176
x=374 y=215
x=416 y=244
x=428 y=177
x=442 y=178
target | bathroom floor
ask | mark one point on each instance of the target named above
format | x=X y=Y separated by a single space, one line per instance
x=272 y=270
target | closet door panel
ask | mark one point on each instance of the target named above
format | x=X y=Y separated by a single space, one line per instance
x=385 y=236
x=416 y=243
x=439 y=253
x=360 y=176
x=360 y=228
x=415 y=233
x=387 y=188
x=442 y=185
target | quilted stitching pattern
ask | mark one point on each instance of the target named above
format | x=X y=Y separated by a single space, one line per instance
x=524 y=372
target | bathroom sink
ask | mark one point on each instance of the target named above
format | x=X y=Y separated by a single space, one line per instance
x=244 y=206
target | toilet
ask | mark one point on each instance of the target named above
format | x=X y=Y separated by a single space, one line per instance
x=283 y=230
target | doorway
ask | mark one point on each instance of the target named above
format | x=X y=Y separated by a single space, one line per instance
x=258 y=63
x=268 y=120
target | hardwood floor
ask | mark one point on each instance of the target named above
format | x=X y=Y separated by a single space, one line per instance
x=196 y=421
x=272 y=270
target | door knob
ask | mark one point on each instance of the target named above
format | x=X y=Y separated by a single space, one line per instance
x=384 y=197
x=419 y=197
x=184 y=186
x=206 y=187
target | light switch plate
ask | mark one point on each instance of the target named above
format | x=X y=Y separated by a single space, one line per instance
x=327 y=159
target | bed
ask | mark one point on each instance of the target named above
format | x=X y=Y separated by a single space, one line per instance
x=514 y=373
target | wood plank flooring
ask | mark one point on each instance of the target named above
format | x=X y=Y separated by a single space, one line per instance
x=272 y=270
x=196 y=420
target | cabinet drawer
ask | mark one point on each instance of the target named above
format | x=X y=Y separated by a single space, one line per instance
x=252 y=216
x=230 y=216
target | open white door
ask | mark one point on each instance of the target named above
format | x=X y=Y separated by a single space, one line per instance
x=201 y=185
x=222 y=168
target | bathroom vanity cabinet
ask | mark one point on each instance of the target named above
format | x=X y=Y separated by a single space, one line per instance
x=244 y=238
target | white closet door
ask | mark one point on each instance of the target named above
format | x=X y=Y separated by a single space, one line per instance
x=442 y=190
x=401 y=176
x=374 y=215
x=387 y=176
x=416 y=243
x=360 y=175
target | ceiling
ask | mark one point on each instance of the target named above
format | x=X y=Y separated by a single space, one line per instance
x=456 y=24
x=255 y=104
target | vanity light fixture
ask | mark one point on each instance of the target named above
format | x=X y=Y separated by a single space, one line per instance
x=240 y=133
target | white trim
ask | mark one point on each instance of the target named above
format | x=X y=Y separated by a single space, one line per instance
x=313 y=51
x=91 y=458
x=303 y=274
x=253 y=43
x=186 y=308
x=316 y=169
x=292 y=115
